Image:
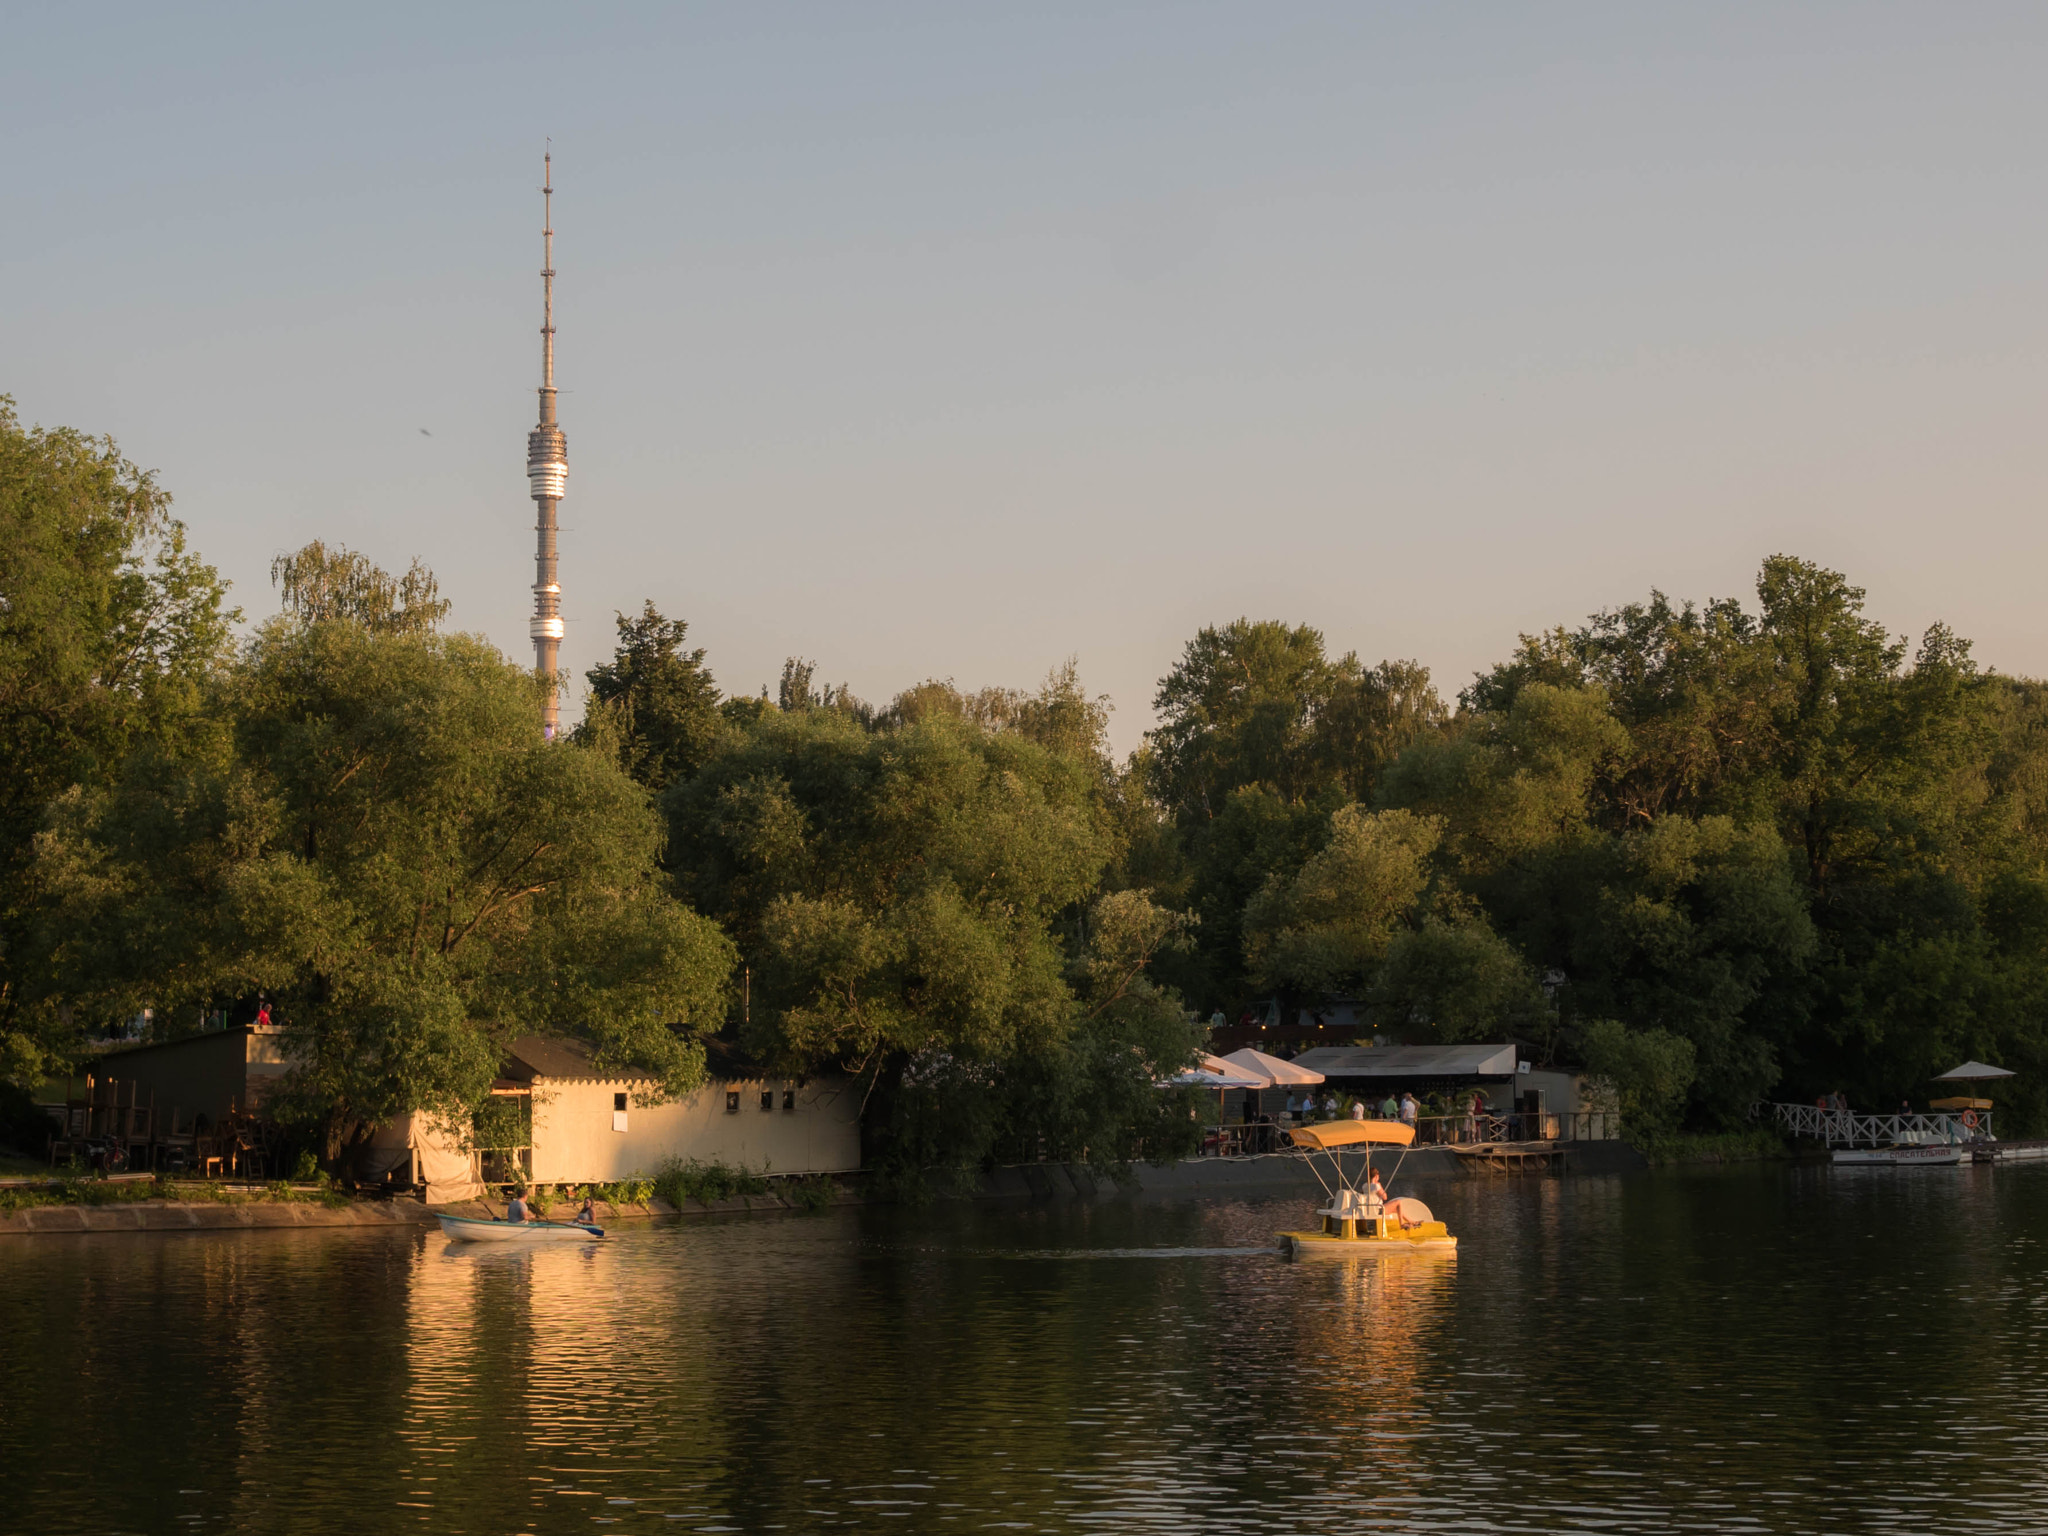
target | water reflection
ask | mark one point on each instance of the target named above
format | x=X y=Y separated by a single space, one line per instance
x=1786 y=1349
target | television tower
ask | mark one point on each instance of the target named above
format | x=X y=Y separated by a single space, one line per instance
x=547 y=473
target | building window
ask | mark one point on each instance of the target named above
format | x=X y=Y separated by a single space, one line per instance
x=789 y=1098
x=732 y=1102
x=618 y=1101
x=767 y=1098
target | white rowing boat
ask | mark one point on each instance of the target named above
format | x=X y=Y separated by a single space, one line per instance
x=474 y=1229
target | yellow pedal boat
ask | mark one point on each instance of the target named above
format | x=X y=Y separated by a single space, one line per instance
x=1357 y=1224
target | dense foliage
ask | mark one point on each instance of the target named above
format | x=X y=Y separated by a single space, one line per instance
x=110 y=631
x=1712 y=852
x=919 y=895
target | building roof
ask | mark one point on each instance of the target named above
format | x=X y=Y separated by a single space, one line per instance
x=1410 y=1060
x=547 y=1056
x=553 y=1056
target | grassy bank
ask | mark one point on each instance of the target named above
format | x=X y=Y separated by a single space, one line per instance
x=680 y=1183
x=76 y=1190
x=687 y=1183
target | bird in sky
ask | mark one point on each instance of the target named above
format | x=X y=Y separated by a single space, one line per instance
x=425 y=433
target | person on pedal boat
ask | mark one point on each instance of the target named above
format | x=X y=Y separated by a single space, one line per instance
x=1378 y=1191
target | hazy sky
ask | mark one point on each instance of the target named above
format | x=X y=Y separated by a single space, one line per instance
x=954 y=340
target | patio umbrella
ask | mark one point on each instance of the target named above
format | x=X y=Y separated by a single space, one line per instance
x=1973 y=1072
x=1271 y=1070
x=1213 y=1072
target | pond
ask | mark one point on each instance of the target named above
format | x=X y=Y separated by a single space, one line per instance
x=1780 y=1348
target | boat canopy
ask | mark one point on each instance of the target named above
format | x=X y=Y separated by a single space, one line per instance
x=1959 y=1104
x=1351 y=1133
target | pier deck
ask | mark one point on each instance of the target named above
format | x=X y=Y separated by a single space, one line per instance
x=1513 y=1156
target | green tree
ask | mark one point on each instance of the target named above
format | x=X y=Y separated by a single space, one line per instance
x=911 y=894
x=1240 y=709
x=1650 y=1071
x=654 y=706
x=319 y=585
x=1369 y=916
x=1690 y=927
x=1263 y=703
x=1780 y=809
x=1511 y=785
x=1372 y=716
x=1326 y=929
x=379 y=840
x=109 y=631
x=1089 y=1096
x=895 y=890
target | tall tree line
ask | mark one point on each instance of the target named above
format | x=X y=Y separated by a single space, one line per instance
x=1717 y=851
x=1714 y=851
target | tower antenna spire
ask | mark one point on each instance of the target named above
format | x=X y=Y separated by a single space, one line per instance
x=547 y=277
x=547 y=473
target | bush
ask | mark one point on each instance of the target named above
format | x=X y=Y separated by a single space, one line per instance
x=688 y=1179
x=1651 y=1071
x=810 y=1194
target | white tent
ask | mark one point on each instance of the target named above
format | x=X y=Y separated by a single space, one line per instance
x=1973 y=1072
x=1214 y=1072
x=440 y=1162
x=1273 y=1072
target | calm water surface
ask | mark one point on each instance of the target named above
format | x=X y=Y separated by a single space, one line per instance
x=1774 y=1349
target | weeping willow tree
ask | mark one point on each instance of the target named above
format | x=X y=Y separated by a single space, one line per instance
x=319 y=585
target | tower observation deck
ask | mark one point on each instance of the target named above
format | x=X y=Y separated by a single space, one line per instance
x=547 y=477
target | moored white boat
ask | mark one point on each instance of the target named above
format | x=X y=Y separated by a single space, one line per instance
x=1902 y=1157
x=475 y=1229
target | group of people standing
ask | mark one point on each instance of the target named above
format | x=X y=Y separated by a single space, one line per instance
x=1407 y=1109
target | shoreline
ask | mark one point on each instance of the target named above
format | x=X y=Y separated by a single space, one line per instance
x=1271 y=1173
x=256 y=1214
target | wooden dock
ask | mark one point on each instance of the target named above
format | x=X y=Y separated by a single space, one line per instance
x=1511 y=1156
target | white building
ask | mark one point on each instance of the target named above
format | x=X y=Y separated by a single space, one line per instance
x=596 y=1126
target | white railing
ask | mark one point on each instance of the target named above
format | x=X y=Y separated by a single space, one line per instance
x=1845 y=1128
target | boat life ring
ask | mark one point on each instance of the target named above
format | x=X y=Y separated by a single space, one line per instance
x=1970 y=1119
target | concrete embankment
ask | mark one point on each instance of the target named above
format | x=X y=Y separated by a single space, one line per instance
x=210 y=1216
x=403 y=1211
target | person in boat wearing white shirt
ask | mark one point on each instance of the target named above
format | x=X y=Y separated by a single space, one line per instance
x=586 y=1214
x=1377 y=1191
